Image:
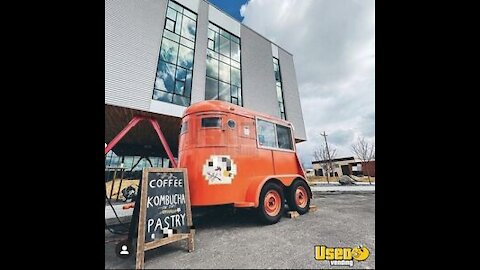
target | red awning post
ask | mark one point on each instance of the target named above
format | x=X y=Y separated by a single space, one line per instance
x=156 y=126
x=122 y=133
x=133 y=123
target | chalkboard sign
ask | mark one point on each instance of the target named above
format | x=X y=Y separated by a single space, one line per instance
x=165 y=214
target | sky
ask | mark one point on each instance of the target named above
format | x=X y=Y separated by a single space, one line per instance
x=333 y=47
x=232 y=7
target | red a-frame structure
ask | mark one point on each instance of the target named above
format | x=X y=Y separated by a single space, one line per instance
x=135 y=120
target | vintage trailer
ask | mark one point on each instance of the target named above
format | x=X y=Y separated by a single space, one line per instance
x=241 y=157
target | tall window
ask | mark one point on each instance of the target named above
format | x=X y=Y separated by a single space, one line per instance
x=173 y=82
x=278 y=79
x=223 y=66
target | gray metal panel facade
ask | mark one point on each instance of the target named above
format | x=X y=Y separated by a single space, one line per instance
x=200 y=60
x=293 y=108
x=258 y=81
x=133 y=32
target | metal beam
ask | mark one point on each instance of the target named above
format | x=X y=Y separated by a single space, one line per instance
x=156 y=126
x=133 y=123
x=122 y=133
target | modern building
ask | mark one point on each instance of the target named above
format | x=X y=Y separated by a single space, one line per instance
x=162 y=56
x=345 y=166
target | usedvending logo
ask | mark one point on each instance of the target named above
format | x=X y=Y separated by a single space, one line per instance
x=341 y=255
x=219 y=170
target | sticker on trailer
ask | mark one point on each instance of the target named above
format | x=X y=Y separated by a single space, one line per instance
x=246 y=131
x=219 y=170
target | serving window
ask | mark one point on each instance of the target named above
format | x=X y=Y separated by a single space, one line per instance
x=272 y=135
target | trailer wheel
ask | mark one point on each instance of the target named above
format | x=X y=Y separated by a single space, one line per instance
x=271 y=203
x=298 y=197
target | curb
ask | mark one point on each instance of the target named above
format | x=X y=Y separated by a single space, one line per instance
x=336 y=192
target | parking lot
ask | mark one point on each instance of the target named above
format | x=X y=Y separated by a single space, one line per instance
x=236 y=240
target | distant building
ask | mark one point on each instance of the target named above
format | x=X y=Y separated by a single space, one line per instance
x=345 y=166
x=310 y=172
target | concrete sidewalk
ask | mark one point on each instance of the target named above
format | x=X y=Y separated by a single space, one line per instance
x=338 y=184
x=339 y=188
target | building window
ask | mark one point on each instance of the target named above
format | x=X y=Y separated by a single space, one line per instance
x=173 y=81
x=224 y=77
x=278 y=81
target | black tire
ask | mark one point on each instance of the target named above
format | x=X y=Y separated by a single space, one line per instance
x=292 y=205
x=264 y=216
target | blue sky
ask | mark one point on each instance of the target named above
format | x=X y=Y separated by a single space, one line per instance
x=231 y=7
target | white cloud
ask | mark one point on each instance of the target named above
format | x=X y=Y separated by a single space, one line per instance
x=333 y=45
x=242 y=10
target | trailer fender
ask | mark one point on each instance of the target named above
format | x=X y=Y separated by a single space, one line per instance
x=257 y=183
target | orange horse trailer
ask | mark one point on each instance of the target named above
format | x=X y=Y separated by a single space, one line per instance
x=241 y=157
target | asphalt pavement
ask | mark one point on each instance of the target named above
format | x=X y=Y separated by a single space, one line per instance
x=227 y=239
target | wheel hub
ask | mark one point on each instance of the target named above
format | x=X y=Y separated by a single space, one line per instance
x=301 y=197
x=272 y=203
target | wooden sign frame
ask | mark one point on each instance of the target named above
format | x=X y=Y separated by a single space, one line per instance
x=141 y=246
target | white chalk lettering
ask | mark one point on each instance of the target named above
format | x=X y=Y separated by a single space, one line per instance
x=158 y=183
x=176 y=220
x=166 y=221
x=150 y=223
x=168 y=199
x=159 y=224
x=149 y=203
x=183 y=219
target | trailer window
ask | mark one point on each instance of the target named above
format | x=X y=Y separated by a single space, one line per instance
x=284 y=136
x=184 y=127
x=211 y=122
x=231 y=123
x=266 y=134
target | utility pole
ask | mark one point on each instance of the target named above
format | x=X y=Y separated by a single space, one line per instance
x=328 y=154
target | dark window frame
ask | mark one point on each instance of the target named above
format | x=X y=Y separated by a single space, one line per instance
x=213 y=41
x=283 y=114
x=174 y=22
x=173 y=94
x=238 y=98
